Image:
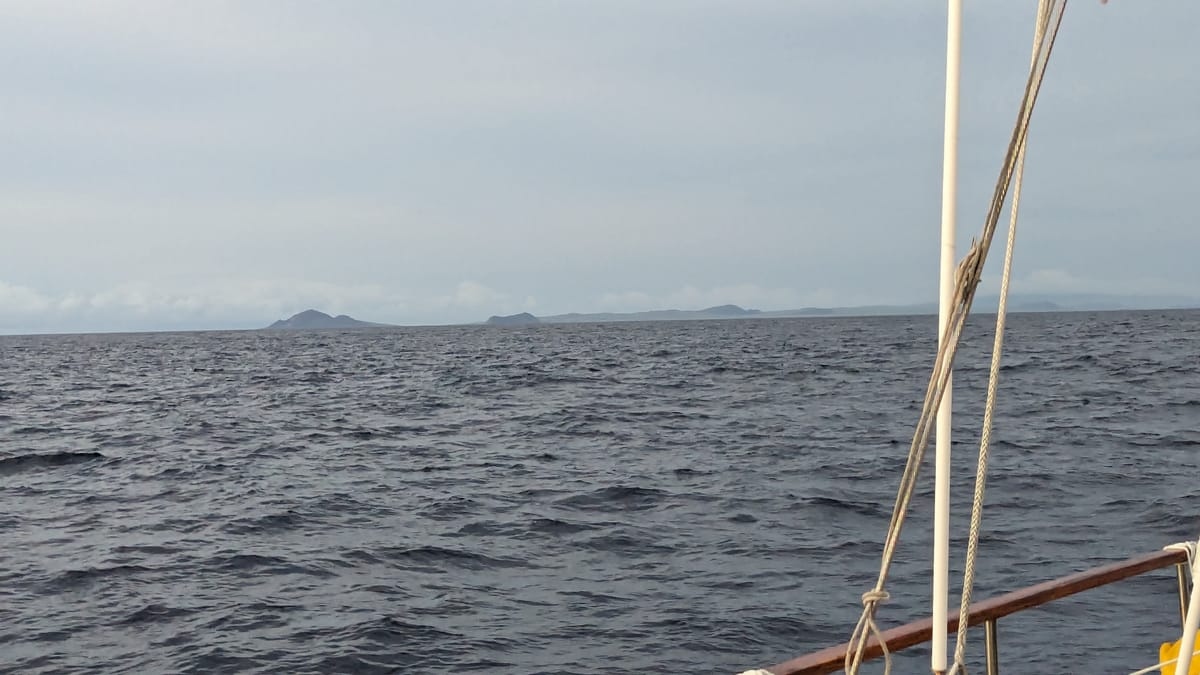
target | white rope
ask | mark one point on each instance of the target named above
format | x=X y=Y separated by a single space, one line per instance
x=985 y=436
x=968 y=275
x=1159 y=666
x=1188 y=547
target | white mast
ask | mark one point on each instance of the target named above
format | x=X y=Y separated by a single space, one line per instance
x=941 y=494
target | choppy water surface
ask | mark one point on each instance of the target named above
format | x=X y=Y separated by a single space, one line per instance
x=568 y=499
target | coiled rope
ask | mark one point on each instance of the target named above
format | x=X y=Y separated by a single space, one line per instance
x=968 y=275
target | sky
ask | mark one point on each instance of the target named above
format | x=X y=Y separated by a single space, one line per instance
x=225 y=164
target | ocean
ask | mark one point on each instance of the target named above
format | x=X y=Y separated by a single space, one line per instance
x=594 y=498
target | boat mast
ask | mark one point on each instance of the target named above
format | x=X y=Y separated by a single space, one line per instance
x=941 y=495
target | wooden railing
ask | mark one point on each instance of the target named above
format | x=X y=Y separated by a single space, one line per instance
x=988 y=611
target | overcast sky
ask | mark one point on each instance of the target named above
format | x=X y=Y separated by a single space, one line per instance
x=225 y=164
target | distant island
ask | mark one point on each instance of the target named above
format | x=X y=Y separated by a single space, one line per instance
x=718 y=312
x=982 y=305
x=311 y=319
x=522 y=319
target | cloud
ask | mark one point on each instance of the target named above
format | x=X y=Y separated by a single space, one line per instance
x=472 y=300
x=242 y=303
x=16 y=299
x=227 y=304
x=475 y=294
x=228 y=162
x=1062 y=281
x=629 y=301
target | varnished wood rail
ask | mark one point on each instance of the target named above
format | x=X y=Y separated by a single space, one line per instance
x=830 y=660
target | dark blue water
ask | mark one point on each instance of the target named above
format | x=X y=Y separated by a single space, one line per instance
x=659 y=497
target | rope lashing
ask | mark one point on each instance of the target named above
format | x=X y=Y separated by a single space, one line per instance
x=1188 y=547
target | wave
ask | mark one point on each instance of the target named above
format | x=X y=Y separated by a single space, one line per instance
x=627 y=497
x=832 y=503
x=155 y=613
x=241 y=563
x=440 y=559
x=76 y=578
x=29 y=462
x=268 y=524
x=628 y=541
x=558 y=527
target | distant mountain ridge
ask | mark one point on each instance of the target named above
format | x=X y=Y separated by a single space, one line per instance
x=311 y=319
x=718 y=312
x=983 y=304
x=522 y=319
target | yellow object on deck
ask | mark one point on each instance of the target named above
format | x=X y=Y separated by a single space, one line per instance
x=1169 y=651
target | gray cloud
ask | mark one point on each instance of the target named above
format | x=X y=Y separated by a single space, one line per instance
x=238 y=161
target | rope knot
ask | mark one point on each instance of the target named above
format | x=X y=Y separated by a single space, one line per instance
x=865 y=629
x=874 y=597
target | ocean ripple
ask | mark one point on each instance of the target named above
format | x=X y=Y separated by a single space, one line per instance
x=580 y=499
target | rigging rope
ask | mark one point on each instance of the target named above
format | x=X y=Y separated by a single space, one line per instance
x=1158 y=667
x=968 y=275
x=985 y=436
